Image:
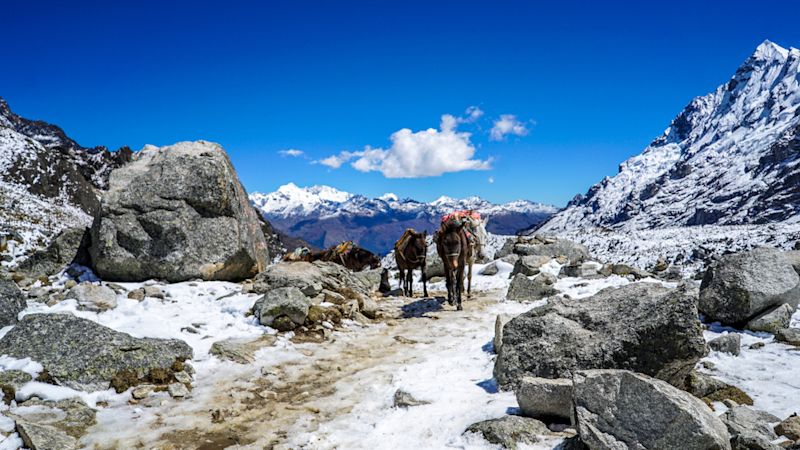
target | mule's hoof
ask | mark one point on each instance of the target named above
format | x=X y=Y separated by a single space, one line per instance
x=459 y=308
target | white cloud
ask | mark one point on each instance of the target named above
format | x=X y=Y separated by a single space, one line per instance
x=425 y=153
x=473 y=113
x=491 y=180
x=293 y=152
x=505 y=125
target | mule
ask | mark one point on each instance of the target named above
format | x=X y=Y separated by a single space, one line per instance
x=410 y=252
x=475 y=229
x=348 y=255
x=453 y=249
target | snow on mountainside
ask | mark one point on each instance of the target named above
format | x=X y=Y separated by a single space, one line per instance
x=730 y=157
x=324 y=216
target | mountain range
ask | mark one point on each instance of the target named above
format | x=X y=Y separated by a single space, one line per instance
x=324 y=216
x=731 y=157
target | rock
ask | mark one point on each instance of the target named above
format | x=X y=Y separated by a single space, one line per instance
x=44 y=437
x=177 y=390
x=727 y=343
x=713 y=390
x=499 y=323
x=71 y=416
x=756 y=345
x=624 y=270
x=573 y=252
x=142 y=391
x=748 y=421
x=284 y=323
x=70 y=246
x=183 y=377
x=312 y=279
x=489 y=270
x=615 y=328
x=740 y=286
x=794 y=257
x=137 y=294
x=523 y=289
x=772 y=320
x=618 y=409
x=749 y=441
x=661 y=264
x=368 y=307
x=508 y=431
x=10 y=381
x=154 y=292
x=589 y=269
x=93 y=297
x=529 y=265
x=506 y=249
x=395 y=293
x=545 y=398
x=334 y=297
x=241 y=350
x=434 y=267
x=790 y=427
x=70 y=284
x=12 y=302
x=510 y=259
x=790 y=336
x=384 y=287
x=285 y=301
x=403 y=399
x=370 y=278
x=84 y=355
x=177 y=213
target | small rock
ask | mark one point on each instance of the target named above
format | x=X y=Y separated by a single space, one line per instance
x=241 y=351
x=545 y=398
x=403 y=399
x=499 y=323
x=746 y=420
x=529 y=265
x=394 y=293
x=136 y=294
x=284 y=323
x=708 y=365
x=10 y=381
x=756 y=346
x=91 y=297
x=790 y=428
x=789 y=336
x=183 y=377
x=368 y=307
x=772 y=320
x=247 y=287
x=177 y=390
x=508 y=431
x=70 y=284
x=489 y=270
x=287 y=302
x=44 y=437
x=154 y=292
x=727 y=343
x=142 y=391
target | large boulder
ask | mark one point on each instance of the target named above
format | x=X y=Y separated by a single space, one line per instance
x=70 y=246
x=618 y=409
x=284 y=301
x=312 y=279
x=84 y=355
x=177 y=213
x=643 y=327
x=740 y=286
x=530 y=264
x=12 y=302
x=772 y=320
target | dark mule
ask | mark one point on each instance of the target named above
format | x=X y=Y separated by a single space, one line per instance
x=410 y=252
x=349 y=255
x=453 y=248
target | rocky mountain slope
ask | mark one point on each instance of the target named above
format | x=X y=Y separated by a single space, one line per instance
x=324 y=216
x=730 y=157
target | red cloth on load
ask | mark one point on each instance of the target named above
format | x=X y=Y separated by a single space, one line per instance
x=459 y=214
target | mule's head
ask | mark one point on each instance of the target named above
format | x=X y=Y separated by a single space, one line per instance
x=478 y=229
x=451 y=241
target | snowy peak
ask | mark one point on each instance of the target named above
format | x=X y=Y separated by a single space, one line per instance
x=730 y=157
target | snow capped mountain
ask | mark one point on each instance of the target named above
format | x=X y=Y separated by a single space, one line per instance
x=324 y=216
x=730 y=157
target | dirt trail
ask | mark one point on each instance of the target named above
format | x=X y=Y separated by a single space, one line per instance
x=281 y=405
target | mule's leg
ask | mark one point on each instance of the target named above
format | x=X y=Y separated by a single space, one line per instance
x=410 y=282
x=469 y=281
x=424 y=282
x=403 y=280
x=448 y=274
x=459 y=286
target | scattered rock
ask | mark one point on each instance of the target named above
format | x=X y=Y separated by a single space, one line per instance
x=727 y=343
x=154 y=292
x=195 y=223
x=177 y=390
x=368 y=307
x=740 y=286
x=285 y=301
x=370 y=278
x=572 y=251
x=618 y=409
x=93 y=297
x=142 y=391
x=12 y=302
x=312 y=279
x=403 y=399
x=529 y=265
x=334 y=297
x=756 y=345
x=84 y=355
x=241 y=351
x=748 y=421
x=10 y=381
x=69 y=284
x=711 y=389
x=789 y=336
x=182 y=377
x=772 y=320
x=790 y=427
x=545 y=398
x=508 y=431
x=489 y=270
x=499 y=323
x=136 y=294
x=616 y=328
x=588 y=269
x=434 y=267
x=523 y=289
x=44 y=437
x=70 y=246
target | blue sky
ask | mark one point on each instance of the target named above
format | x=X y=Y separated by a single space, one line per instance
x=591 y=84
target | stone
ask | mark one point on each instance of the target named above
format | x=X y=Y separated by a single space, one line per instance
x=506 y=249
x=371 y=278
x=93 y=297
x=618 y=409
x=772 y=320
x=84 y=355
x=142 y=391
x=44 y=437
x=434 y=267
x=508 y=431
x=177 y=390
x=573 y=252
x=395 y=293
x=69 y=284
x=510 y=259
x=403 y=399
x=137 y=294
x=12 y=302
x=616 y=328
x=746 y=420
x=285 y=301
x=529 y=265
x=70 y=246
x=182 y=377
x=241 y=350
x=333 y=297
x=711 y=389
x=740 y=286
x=284 y=323
x=51 y=423
x=11 y=381
x=789 y=427
x=489 y=270
x=499 y=323
x=177 y=213
x=624 y=270
x=727 y=343
x=368 y=307
x=789 y=336
x=545 y=398
x=154 y=292
x=312 y=279
x=588 y=269
x=523 y=289
x=749 y=441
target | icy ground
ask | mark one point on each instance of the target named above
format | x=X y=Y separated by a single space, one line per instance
x=339 y=393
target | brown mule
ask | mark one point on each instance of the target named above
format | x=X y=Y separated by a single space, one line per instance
x=454 y=249
x=348 y=255
x=410 y=252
